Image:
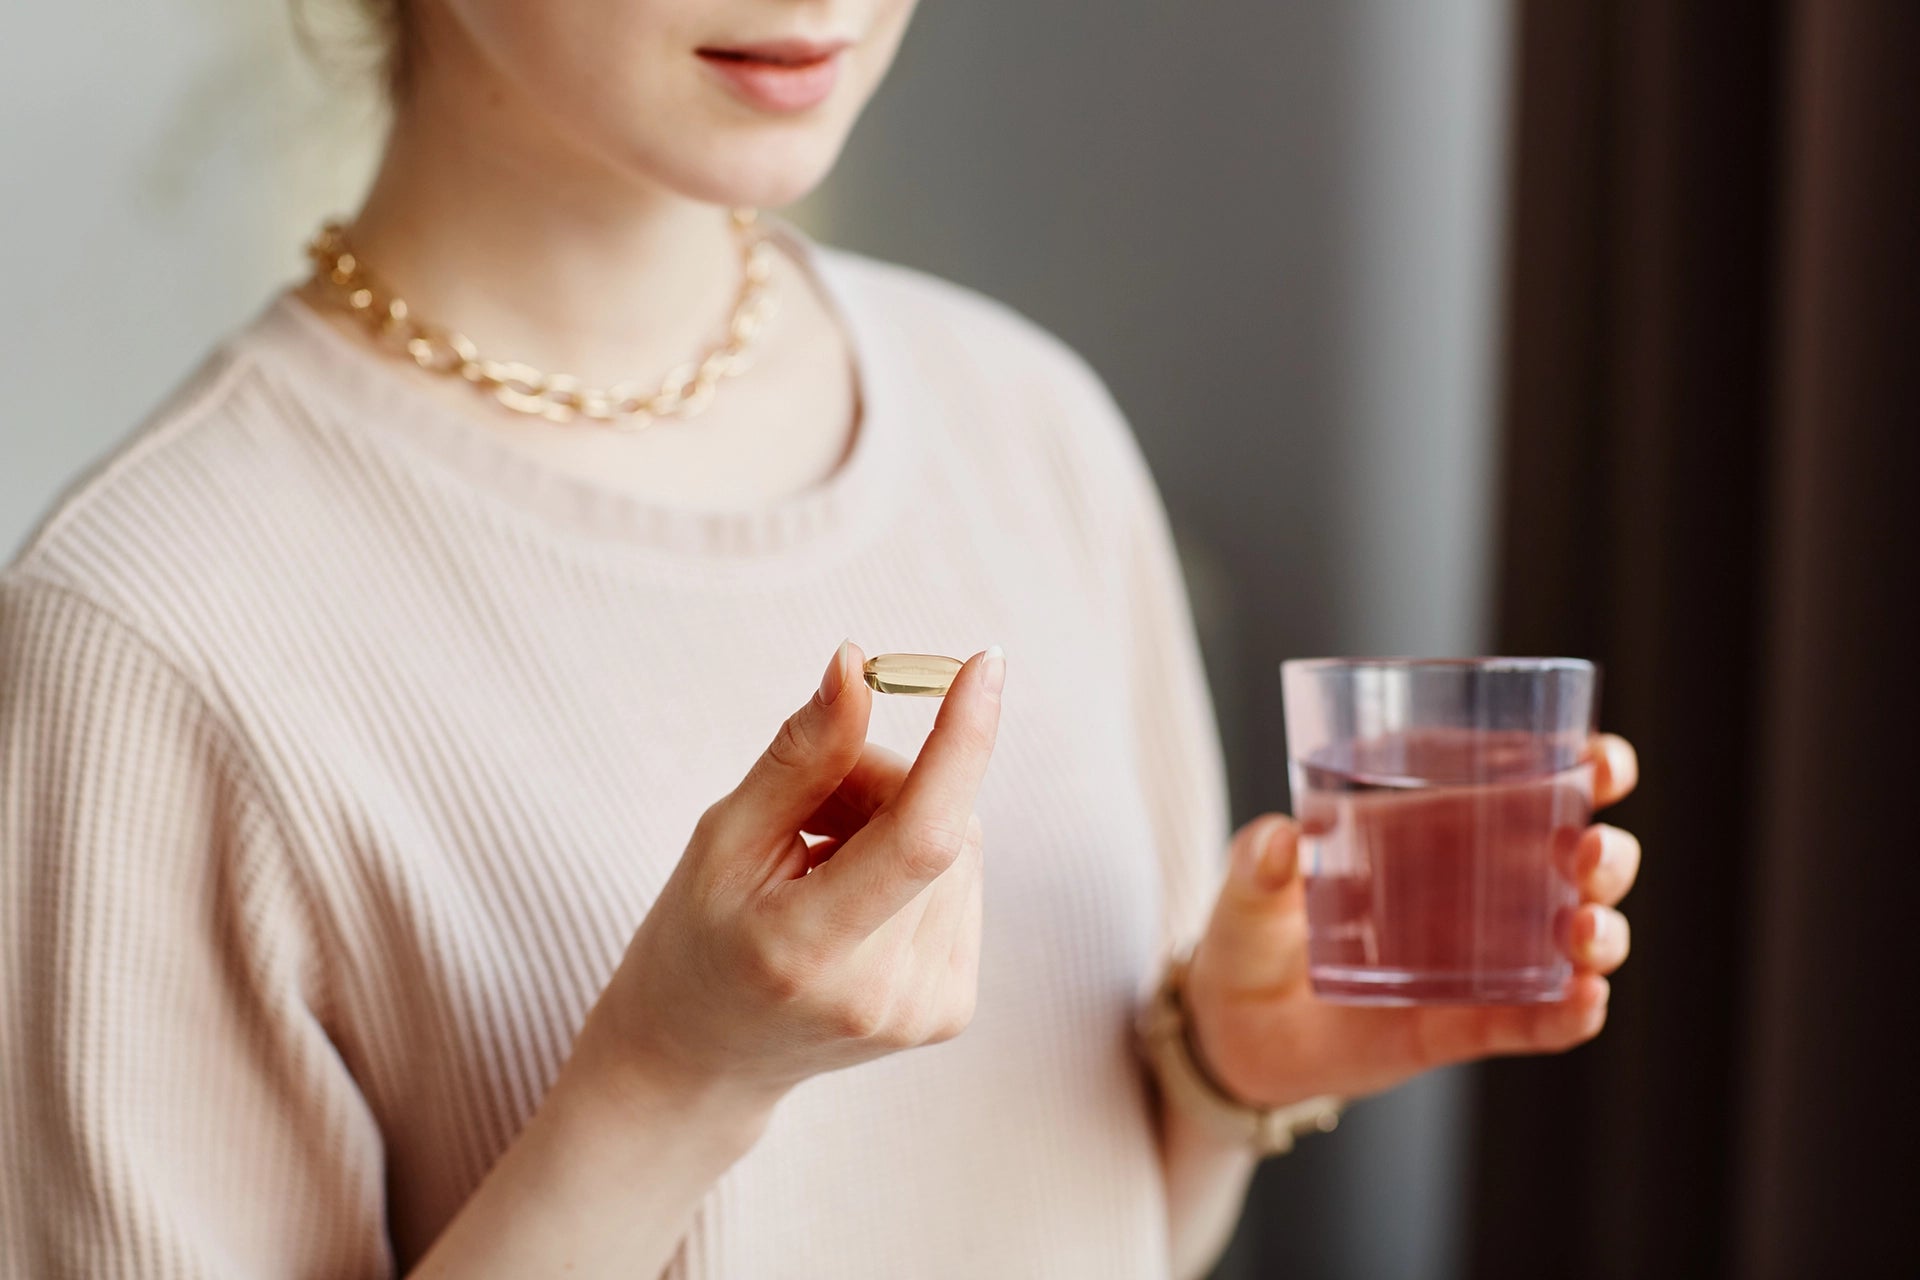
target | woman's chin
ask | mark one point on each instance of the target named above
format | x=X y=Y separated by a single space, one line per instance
x=766 y=181
x=764 y=166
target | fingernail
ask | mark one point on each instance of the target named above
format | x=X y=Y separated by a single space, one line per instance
x=1274 y=867
x=1246 y=862
x=1620 y=758
x=1602 y=930
x=835 y=677
x=995 y=674
x=1613 y=850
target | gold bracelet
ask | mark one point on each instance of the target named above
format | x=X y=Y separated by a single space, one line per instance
x=1164 y=1038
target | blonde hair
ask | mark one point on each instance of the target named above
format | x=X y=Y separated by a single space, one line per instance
x=377 y=38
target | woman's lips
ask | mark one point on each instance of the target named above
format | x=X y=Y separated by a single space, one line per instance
x=784 y=75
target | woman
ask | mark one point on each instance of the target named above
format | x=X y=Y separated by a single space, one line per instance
x=355 y=721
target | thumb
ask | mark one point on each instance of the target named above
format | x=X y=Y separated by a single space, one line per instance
x=815 y=748
x=1256 y=939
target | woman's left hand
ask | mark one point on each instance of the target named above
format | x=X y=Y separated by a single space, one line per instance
x=1262 y=1034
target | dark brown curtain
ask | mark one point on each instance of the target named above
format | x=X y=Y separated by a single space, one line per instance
x=1712 y=486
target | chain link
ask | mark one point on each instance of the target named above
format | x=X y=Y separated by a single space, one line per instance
x=559 y=397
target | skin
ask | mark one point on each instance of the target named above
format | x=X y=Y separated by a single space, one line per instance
x=1265 y=1036
x=766 y=960
x=554 y=185
x=1259 y=1031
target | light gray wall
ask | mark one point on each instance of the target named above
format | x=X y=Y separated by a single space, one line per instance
x=163 y=163
x=1274 y=227
x=1271 y=224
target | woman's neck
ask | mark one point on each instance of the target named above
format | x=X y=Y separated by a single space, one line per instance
x=489 y=224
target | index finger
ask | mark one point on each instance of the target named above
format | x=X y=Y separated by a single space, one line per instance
x=888 y=863
x=1616 y=769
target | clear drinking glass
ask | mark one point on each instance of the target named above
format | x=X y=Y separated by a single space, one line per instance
x=1439 y=800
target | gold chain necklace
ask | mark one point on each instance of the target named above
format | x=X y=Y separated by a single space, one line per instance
x=683 y=393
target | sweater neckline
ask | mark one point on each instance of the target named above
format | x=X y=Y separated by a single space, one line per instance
x=375 y=398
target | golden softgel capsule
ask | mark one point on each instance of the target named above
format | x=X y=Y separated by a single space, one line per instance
x=926 y=675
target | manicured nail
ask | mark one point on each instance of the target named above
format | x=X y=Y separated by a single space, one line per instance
x=1604 y=850
x=835 y=677
x=996 y=672
x=1621 y=764
x=1247 y=858
x=1602 y=932
x=1275 y=864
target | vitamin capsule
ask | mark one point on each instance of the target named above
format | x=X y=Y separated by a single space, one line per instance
x=927 y=675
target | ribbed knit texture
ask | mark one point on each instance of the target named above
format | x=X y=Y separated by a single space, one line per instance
x=343 y=746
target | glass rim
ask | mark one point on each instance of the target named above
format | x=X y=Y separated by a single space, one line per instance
x=1490 y=663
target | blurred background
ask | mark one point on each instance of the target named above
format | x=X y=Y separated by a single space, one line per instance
x=1448 y=326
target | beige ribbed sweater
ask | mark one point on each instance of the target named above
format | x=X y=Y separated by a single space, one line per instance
x=342 y=747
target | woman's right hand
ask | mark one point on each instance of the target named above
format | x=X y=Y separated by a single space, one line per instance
x=766 y=961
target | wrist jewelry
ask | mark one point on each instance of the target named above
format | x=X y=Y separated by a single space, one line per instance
x=1165 y=1038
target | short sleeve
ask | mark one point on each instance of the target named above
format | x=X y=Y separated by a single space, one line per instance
x=1183 y=767
x=170 y=1102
